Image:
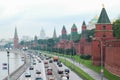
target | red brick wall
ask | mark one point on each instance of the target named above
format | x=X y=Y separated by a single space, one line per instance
x=87 y=48
x=95 y=53
x=100 y=31
x=112 y=61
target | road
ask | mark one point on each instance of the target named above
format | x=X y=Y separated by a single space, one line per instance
x=39 y=67
x=44 y=75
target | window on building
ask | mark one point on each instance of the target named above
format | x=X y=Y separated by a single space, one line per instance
x=104 y=27
x=104 y=35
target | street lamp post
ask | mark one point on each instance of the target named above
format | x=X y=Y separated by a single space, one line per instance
x=8 y=64
x=101 y=55
x=101 y=47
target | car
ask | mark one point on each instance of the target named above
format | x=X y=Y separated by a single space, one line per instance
x=58 y=62
x=60 y=65
x=49 y=72
x=60 y=71
x=51 y=78
x=46 y=65
x=38 y=78
x=64 y=78
x=50 y=61
x=45 y=62
x=27 y=75
x=34 y=63
x=49 y=68
x=31 y=68
x=38 y=72
x=67 y=70
x=39 y=61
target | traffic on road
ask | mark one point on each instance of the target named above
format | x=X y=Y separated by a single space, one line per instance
x=43 y=67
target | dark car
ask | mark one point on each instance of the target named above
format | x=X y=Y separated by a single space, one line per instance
x=38 y=72
x=38 y=78
x=50 y=61
x=39 y=61
x=58 y=62
x=34 y=63
x=67 y=70
x=60 y=65
x=31 y=68
x=60 y=72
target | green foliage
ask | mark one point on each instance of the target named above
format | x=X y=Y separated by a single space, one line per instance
x=85 y=56
x=77 y=70
x=90 y=33
x=116 y=28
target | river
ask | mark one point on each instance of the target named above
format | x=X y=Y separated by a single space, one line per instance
x=14 y=63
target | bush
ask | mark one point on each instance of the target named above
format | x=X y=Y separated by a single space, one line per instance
x=85 y=56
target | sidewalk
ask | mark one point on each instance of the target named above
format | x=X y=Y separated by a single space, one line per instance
x=92 y=73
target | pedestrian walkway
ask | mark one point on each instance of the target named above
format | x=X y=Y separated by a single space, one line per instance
x=92 y=73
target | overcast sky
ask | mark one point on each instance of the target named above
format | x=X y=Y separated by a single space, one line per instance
x=29 y=16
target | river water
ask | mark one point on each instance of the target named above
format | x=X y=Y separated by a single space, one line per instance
x=14 y=63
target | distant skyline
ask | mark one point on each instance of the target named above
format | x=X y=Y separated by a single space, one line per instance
x=30 y=16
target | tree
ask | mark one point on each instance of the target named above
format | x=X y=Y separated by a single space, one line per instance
x=116 y=28
x=90 y=33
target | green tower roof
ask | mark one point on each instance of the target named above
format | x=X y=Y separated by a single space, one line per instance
x=74 y=26
x=63 y=27
x=103 y=18
x=83 y=23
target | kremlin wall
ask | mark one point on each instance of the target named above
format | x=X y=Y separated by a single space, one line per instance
x=103 y=43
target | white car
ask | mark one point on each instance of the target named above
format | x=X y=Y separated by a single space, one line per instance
x=27 y=75
x=64 y=78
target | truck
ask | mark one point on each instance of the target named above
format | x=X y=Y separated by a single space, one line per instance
x=55 y=58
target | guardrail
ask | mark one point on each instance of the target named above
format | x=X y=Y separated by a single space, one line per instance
x=18 y=72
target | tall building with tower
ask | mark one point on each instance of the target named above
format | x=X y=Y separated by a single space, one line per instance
x=74 y=33
x=64 y=33
x=16 y=39
x=42 y=34
x=54 y=34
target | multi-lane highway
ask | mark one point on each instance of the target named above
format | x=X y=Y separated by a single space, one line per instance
x=48 y=70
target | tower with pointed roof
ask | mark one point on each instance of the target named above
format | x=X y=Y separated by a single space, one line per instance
x=104 y=26
x=83 y=38
x=54 y=34
x=103 y=32
x=35 y=43
x=64 y=33
x=74 y=33
x=16 y=40
x=84 y=31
